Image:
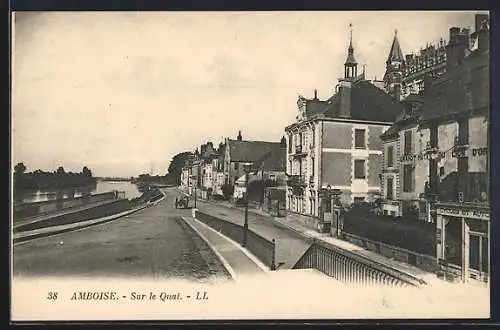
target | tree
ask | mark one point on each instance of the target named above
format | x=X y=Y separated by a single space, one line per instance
x=60 y=170
x=86 y=172
x=176 y=165
x=19 y=169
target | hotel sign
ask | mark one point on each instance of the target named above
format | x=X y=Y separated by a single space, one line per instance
x=464 y=212
x=456 y=153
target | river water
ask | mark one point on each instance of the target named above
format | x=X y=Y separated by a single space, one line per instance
x=129 y=188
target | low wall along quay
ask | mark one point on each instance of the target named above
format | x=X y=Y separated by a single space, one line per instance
x=263 y=249
x=26 y=210
x=100 y=211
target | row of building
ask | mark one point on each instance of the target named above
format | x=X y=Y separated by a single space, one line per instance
x=418 y=143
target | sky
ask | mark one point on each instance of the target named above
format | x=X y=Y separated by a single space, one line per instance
x=123 y=92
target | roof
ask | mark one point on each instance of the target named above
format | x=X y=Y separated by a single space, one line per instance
x=395 y=54
x=406 y=118
x=250 y=151
x=274 y=160
x=350 y=56
x=461 y=89
x=368 y=103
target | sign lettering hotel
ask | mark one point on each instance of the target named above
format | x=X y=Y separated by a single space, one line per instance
x=463 y=212
x=475 y=152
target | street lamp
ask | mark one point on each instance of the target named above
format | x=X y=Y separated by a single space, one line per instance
x=246 y=168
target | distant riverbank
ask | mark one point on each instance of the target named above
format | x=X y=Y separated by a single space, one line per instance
x=39 y=195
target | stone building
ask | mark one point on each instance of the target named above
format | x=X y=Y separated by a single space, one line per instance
x=408 y=74
x=405 y=171
x=436 y=157
x=335 y=143
x=238 y=152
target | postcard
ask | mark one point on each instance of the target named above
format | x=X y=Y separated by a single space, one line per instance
x=250 y=165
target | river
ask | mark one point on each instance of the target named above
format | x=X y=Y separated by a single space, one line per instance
x=129 y=188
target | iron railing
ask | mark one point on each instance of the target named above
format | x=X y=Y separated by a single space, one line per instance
x=262 y=248
x=348 y=267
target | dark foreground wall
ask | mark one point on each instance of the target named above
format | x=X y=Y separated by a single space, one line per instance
x=32 y=209
x=99 y=211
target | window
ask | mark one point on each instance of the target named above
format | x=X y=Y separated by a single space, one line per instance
x=390 y=156
x=236 y=166
x=441 y=171
x=407 y=143
x=313 y=137
x=359 y=169
x=407 y=178
x=463 y=131
x=235 y=179
x=359 y=139
x=390 y=189
x=290 y=144
x=312 y=167
x=433 y=136
x=393 y=213
x=385 y=212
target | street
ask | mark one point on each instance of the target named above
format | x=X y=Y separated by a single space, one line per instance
x=150 y=243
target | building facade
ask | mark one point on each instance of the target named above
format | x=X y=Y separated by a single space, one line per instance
x=405 y=177
x=409 y=74
x=335 y=144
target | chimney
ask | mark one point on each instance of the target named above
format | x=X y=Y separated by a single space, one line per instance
x=457 y=47
x=283 y=142
x=315 y=94
x=345 y=99
x=483 y=34
x=239 y=136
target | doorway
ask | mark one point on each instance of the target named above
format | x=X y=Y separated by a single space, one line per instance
x=479 y=254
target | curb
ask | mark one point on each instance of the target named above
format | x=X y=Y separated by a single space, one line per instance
x=223 y=260
x=255 y=260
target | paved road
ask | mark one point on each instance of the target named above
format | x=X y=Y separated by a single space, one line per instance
x=289 y=246
x=152 y=242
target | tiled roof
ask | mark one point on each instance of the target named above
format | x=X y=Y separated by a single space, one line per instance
x=368 y=103
x=274 y=160
x=250 y=151
x=462 y=89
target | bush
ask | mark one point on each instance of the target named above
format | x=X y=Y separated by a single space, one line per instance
x=227 y=190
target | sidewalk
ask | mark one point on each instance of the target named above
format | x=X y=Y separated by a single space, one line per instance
x=235 y=260
x=289 y=245
x=292 y=223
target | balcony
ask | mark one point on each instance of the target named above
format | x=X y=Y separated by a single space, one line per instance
x=296 y=181
x=299 y=151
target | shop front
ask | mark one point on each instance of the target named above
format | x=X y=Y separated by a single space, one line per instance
x=462 y=237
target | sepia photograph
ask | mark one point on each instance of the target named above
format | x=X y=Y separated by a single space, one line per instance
x=250 y=165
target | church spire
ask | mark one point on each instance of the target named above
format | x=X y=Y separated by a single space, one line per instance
x=350 y=65
x=395 y=54
x=394 y=69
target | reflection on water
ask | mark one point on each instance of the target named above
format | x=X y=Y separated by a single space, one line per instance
x=129 y=188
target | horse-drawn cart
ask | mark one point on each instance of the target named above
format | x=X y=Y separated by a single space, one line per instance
x=182 y=203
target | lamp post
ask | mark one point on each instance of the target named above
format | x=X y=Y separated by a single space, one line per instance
x=246 y=168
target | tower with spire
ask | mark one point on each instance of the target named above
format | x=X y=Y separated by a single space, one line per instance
x=350 y=65
x=393 y=77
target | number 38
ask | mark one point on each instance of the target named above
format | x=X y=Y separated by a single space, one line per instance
x=52 y=296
